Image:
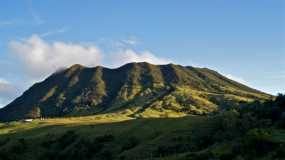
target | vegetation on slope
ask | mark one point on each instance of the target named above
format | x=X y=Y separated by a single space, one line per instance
x=249 y=132
x=135 y=89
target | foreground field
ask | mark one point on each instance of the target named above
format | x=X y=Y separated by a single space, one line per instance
x=21 y=126
x=124 y=137
x=119 y=137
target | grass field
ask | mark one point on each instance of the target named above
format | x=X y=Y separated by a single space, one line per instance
x=144 y=135
x=118 y=137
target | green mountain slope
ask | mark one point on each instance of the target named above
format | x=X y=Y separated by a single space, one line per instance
x=135 y=89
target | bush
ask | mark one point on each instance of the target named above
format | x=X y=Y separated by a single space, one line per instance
x=48 y=141
x=167 y=150
x=78 y=148
x=258 y=142
x=4 y=141
x=130 y=143
x=67 y=139
x=279 y=153
x=19 y=147
x=106 y=155
x=104 y=138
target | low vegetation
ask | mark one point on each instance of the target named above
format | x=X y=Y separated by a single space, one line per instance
x=251 y=131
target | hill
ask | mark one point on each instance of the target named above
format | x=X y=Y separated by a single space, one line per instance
x=254 y=131
x=135 y=90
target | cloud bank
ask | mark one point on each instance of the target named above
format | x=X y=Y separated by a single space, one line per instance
x=40 y=58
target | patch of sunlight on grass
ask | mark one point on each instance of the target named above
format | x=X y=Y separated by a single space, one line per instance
x=12 y=127
x=152 y=113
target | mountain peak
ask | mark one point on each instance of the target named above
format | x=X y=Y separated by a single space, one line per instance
x=136 y=89
x=76 y=66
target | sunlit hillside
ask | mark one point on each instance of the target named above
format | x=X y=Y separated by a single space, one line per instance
x=134 y=89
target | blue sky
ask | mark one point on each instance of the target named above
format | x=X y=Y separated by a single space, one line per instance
x=243 y=39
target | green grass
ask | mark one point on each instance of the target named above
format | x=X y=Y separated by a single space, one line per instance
x=278 y=135
x=129 y=138
x=149 y=133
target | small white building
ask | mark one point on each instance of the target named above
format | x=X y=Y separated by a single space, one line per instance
x=27 y=120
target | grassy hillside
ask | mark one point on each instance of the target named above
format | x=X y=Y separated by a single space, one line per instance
x=251 y=132
x=135 y=89
x=171 y=138
x=128 y=138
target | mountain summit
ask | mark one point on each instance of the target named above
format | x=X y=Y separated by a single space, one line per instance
x=134 y=89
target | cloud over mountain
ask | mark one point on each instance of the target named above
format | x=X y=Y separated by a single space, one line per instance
x=40 y=57
x=130 y=55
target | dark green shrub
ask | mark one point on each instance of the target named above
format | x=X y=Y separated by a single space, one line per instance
x=104 y=138
x=106 y=155
x=258 y=142
x=280 y=152
x=130 y=143
x=67 y=139
x=19 y=146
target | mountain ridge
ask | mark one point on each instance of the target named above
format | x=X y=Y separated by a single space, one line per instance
x=138 y=89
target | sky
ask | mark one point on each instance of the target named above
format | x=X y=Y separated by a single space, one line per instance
x=244 y=39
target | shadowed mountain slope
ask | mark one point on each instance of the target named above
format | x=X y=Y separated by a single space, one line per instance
x=135 y=89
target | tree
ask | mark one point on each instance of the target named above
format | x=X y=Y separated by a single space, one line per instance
x=34 y=113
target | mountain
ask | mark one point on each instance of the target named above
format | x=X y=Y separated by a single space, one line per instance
x=134 y=89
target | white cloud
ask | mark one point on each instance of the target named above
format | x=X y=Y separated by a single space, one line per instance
x=129 y=55
x=41 y=58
